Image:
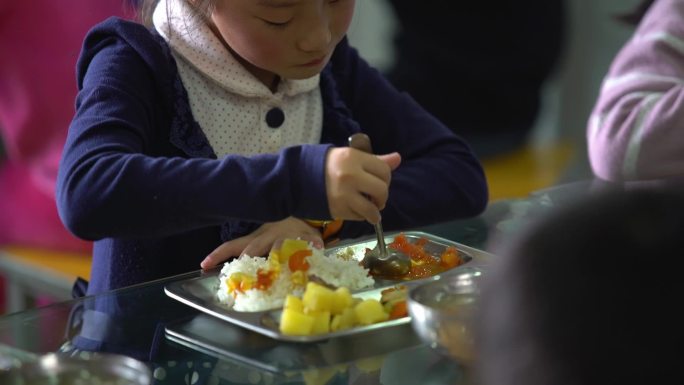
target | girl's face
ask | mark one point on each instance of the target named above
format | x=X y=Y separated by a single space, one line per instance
x=291 y=39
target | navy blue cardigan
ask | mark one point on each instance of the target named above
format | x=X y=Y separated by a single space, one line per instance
x=139 y=177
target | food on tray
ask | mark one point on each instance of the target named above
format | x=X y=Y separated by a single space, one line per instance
x=323 y=310
x=256 y=283
x=422 y=263
x=394 y=301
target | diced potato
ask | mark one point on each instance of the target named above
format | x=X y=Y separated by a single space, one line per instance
x=343 y=300
x=318 y=298
x=335 y=323
x=293 y=322
x=369 y=312
x=321 y=323
x=343 y=321
x=294 y=303
x=349 y=316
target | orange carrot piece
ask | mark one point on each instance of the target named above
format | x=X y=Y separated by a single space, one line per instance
x=298 y=261
x=399 y=310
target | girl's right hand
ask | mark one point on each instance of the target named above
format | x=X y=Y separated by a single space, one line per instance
x=357 y=183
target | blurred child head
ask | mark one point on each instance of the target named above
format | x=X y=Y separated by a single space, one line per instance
x=588 y=295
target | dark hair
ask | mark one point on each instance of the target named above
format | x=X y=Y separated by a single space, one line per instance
x=146 y=9
x=588 y=295
x=634 y=16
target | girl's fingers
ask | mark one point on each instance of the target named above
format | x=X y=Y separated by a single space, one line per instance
x=225 y=251
x=262 y=240
x=259 y=246
x=355 y=206
x=374 y=166
x=393 y=160
x=364 y=209
x=316 y=240
x=382 y=169
x=375 y=190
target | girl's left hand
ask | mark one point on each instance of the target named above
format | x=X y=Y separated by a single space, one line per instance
x=262 y=240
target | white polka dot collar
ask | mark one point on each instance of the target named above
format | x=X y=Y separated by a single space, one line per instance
x=193 y=40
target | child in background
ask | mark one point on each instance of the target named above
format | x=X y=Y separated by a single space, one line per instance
x=635 y=130
x=588 y=295
x=223 y=128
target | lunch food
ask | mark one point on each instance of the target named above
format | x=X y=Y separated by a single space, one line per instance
x=314 y=290
x=423 y=264
x=323 y=310
x=256 y=283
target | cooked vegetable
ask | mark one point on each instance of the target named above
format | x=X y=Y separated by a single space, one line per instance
x=293 y=322
x=370 y=311
x=318 y=297
x=323 y=310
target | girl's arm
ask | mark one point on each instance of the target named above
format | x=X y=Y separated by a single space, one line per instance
x=120 y=176
x=439 y=177
x=635 y=130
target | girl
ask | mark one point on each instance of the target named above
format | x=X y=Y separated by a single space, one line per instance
x=635 y=129
x=227 y=121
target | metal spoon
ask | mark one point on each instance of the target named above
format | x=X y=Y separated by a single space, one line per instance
x=380 y=260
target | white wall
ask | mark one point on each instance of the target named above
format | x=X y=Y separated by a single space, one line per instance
x=372 y=30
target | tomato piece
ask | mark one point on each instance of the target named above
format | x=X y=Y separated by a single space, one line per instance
x=450 y=258
x=399 y=310
x=265 y=279
x=421 y=241
x=298 y=261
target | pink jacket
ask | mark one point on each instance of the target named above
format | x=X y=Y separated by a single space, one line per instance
x=40 y=41
x=636 y=130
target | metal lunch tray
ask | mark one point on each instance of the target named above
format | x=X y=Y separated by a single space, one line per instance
x=200 y=292
x=245 y=349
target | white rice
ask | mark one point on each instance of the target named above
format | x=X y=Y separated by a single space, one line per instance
x=337 y=270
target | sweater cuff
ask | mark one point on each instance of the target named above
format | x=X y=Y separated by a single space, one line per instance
x=309 y=193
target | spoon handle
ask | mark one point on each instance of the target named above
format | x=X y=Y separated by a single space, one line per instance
x=361 y=141
x=381 y=238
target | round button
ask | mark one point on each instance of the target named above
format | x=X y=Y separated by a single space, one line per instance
x=275 y=117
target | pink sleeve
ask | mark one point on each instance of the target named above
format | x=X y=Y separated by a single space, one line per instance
x=636 y=128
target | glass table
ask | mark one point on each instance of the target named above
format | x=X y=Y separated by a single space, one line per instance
x=142 y=322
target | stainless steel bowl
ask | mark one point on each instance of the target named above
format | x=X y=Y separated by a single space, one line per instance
x=97 y=368
x=441 y=312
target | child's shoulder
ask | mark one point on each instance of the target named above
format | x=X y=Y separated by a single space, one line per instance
x=130 y=31
x=125 y=37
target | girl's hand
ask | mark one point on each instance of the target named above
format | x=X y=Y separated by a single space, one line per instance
x=262 y=240
x=357 y=183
